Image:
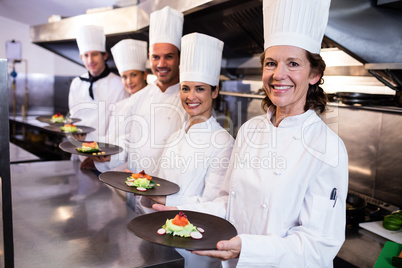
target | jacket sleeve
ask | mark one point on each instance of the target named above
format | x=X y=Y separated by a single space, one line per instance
x=214 y=176
x=320 y=233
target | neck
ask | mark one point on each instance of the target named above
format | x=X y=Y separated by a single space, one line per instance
x=281 y=114
x=164 y=86
x=197 y=119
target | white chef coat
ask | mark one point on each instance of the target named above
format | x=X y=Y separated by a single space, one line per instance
x=116 y=126
x=95 y=112
x=152 y=117
x=197 y=161
x=278 y=186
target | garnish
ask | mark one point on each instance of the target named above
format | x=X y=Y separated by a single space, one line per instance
x=90 y=147
x=180 y=226
x=140 y=180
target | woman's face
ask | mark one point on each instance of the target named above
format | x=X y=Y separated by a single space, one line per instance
x=286 y=77
x=133 y=80
x=197 y=98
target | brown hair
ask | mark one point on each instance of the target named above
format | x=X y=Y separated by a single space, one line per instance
x=316 y=97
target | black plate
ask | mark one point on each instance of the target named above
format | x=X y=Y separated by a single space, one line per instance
x=108 y=149
x=216 y=229
x=46 y=119
x=80 y=129
x=117 y=180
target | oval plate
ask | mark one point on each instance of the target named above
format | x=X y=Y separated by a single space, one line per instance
x=117 y=179
x=215 y=229
x=108 y=149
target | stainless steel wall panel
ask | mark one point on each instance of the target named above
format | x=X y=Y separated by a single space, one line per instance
x=388 y=183
x=5 y=179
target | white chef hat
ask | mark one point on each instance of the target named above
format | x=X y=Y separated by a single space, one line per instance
x=91 y=38
x=130 y=54
x=200 y=59
x=299 y=23
x=166 y=26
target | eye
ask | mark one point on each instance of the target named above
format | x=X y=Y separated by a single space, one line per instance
x=185 y=89
x=293 y=64
x=269 y=64
x=200 y=89
x=155 y=57
x=133 y=75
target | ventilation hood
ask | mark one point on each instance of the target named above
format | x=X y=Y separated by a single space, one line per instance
x=367 y=30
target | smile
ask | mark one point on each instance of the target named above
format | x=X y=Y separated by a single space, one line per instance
x=193 y=105
x=281 y=87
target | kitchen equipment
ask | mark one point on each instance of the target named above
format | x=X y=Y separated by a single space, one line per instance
x=377 y=228
x=390 y=250
x=363 y=98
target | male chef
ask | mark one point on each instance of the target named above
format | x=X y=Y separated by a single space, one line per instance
x=156 y=111
x=91 y=93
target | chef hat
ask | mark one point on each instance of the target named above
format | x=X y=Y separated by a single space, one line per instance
x=299 y=23
x=200 y=59
x=91 y=38
x=130 y=54
x=166 y=26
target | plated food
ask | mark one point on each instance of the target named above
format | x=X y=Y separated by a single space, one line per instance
x=205 y=230
x=69 y=129
x=57 y=118
x=140 y=180
x=88 y=148
x=121 y=180
x=181 y=226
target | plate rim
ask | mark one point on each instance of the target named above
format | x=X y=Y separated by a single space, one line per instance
x=233 y=228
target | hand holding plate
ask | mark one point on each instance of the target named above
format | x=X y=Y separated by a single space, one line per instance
x=227 y=249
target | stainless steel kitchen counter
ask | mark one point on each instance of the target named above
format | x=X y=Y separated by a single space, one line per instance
x=66 y=217
x=18 y=155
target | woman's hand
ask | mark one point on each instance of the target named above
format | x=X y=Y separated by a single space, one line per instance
x=79 y=136
x=88 y=163
x=101 y=158
x=160 y=199
x=226 y=249
x=160 y=207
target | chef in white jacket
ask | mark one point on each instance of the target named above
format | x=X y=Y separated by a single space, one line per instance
x=286 y=186
x=197 y=161
x=130 y=57
x=91 y=93
x=155 y=111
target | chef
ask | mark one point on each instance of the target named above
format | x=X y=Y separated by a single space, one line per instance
x=204 y=147
x=155 y=111
x=91 y=93
x=286 y=186
x=130 y=57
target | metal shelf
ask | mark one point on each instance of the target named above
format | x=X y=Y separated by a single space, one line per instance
x=241 y=94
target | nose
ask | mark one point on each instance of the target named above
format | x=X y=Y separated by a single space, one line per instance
x=280 y=72
x=162 y=62
x=191 y=94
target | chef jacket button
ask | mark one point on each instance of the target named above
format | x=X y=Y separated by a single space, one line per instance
x=277 y=173
x=259 y=130
x=233 y=193
x=264 y=205
x=168 y=118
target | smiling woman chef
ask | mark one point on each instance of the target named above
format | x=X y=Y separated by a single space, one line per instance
x=286 y=186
